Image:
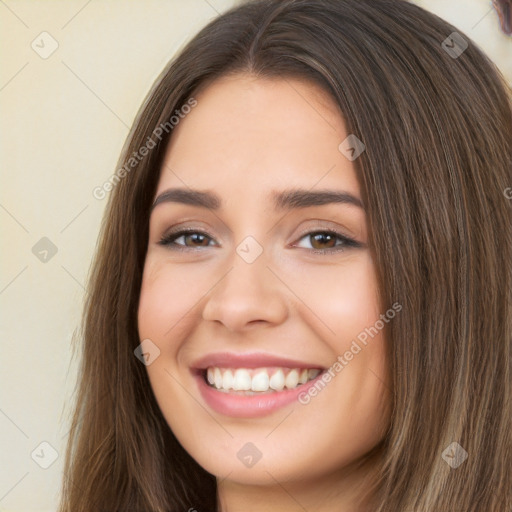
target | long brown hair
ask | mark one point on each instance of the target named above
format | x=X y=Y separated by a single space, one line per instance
x=437 y=126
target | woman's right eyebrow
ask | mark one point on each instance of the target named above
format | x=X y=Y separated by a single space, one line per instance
x=206 y=199
x=283 y=200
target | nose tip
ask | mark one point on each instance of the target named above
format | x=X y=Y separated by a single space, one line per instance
x=246 y=296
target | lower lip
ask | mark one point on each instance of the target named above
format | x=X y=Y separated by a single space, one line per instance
x=250 y=406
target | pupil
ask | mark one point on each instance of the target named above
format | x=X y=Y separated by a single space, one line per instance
x=196 y=237
x=322 y=238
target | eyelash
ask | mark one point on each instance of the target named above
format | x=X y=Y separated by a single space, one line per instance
x=169 y=240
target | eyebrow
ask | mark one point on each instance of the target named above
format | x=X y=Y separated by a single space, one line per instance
x=284 y=200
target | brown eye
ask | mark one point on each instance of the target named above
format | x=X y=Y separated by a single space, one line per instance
x=322 y=240
x=190 y=238
x=328 y=241
x=196 y=239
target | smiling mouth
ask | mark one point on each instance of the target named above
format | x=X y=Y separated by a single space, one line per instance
x=256 y=381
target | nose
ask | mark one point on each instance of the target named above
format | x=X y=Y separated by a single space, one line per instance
x=248 y=294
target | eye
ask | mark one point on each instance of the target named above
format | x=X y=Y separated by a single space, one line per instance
x=196 y=238
x=328 y=241
x=323 y=241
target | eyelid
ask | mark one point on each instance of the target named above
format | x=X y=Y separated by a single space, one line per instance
x=326 y=226
x=351 y=236
x=169 y=239
x=347 y=241
x=178 y=232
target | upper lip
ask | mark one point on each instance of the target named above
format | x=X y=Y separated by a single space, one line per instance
x=249 y=360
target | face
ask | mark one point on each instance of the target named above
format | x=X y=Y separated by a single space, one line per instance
x=258 y=308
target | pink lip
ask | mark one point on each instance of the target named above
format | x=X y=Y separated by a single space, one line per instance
x=255 y=406
x=254 y=360
x=241 y=406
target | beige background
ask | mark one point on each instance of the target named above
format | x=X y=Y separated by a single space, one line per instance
x=63 y=122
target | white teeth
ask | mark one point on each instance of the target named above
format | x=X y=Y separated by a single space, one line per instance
x=227 y=380
x=292 y=379
x=242 y=381
x=277 y=381
x=217 y=378
x=260 y=379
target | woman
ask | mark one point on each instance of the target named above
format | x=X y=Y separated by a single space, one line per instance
x=301 y=299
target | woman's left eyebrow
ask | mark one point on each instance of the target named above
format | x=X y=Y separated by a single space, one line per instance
x=283 y=200
x=300 y=198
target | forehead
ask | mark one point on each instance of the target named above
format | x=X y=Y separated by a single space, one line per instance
x=250 y=134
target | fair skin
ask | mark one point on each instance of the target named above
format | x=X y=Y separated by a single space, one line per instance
x=246 y=138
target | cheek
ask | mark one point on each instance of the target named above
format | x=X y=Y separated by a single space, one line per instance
x=353 y=302
x=166 y=317
x=342 y=298
x=346 y=307
x=165 y=300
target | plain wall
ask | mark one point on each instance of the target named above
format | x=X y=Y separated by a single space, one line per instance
x=64 y=120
